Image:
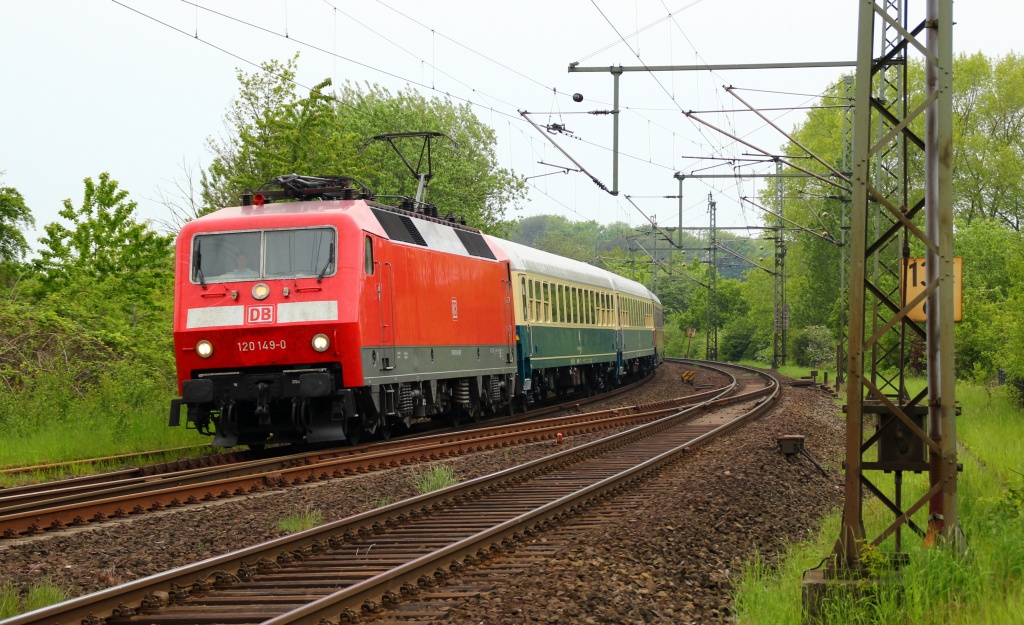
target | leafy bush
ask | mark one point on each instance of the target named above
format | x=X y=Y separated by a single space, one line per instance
x=813 y=346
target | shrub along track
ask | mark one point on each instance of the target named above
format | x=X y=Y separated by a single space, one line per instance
x=77 y=502
x=408 y=547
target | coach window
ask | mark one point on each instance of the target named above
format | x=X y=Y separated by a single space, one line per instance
x=368 y=256
x=525 y=300
x=528 y=295
x=533 y=297
x=546 y=316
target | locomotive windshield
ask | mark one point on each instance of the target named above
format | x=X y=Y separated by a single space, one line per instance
x=263 y=254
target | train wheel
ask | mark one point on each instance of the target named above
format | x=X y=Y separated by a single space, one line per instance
x=353 y=431
x=386 y=430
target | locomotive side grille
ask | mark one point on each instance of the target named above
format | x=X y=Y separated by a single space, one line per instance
x=399 y=227
x=475 y=244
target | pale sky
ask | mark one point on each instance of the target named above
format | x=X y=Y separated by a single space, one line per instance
x=97 y=85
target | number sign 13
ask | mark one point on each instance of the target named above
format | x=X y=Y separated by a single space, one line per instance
x=915 y=279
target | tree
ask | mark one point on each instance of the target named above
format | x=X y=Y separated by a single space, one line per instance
x=988 y=196
x=106 y=243
x=989 y=134
x=271 y=132
x=14 y=217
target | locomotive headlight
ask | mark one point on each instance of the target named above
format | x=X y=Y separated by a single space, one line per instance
x=204 y=349
x=321 y=342
x=260 y=291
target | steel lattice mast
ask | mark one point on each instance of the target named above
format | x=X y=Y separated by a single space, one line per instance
x=882 y=214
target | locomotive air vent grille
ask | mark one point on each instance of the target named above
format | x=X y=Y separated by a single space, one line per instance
x=475 y=244
x=399 y=227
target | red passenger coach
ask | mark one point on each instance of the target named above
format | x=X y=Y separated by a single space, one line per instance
x=328 y=317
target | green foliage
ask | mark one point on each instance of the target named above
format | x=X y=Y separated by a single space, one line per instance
x=380 y=502
x=39 y=595
x=14 y=217
x=813 y=346
x=988 y=185
x=434 y=478
x=105 y=239
x=936 y=586
x=86 y=354
x=272 y=131
x=10 y=600
x=988 y=102
x=299 y=521
x=736 y=341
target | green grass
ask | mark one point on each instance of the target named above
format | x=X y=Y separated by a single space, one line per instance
x=434 y=478
x=299 y=521
x=10 y=602
x=986 y=586
x=380 y=502
x=39 y=595
x=54 y=421
x=106 y=466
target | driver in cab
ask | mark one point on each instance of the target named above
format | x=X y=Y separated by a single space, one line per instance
x=242 y=269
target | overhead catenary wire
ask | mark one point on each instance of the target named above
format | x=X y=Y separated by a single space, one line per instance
x=500 y=106
x=334 y=55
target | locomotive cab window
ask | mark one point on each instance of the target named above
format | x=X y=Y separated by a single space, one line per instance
x=249 y=256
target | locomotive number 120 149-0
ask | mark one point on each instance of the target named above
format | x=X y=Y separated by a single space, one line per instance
x=254 y=346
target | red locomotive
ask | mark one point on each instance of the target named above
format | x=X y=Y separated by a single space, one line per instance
x=333 y=315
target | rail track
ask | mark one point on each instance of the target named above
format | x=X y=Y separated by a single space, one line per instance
x=355 y=568
x=53 y=506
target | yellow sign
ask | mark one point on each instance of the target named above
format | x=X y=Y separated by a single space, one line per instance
x=691 y=332
x=914 y=278
x=688 y=376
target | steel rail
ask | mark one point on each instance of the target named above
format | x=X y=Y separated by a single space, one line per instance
x=82 y=483
x=150 y=593
x=38 y=511
x=42 y=511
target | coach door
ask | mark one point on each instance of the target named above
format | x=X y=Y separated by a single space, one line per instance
x=386 y=306
x=510 y=317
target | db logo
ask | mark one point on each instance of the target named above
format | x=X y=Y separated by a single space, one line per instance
x=259 y=314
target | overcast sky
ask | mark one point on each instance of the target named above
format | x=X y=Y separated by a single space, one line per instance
x=136 y=87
